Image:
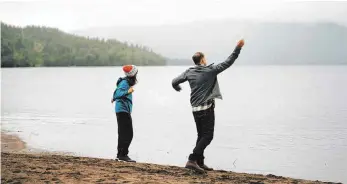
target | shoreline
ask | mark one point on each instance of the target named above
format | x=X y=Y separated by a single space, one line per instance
x=24 y=166
x=11 y=143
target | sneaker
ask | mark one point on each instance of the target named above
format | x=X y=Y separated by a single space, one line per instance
x=194 y=166
x=206 y=168
x=125 y=159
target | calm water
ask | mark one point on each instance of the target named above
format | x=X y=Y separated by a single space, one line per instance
x=285 y=120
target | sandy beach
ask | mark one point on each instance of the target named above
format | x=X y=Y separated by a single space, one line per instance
x=11 y=143
x=21 y=166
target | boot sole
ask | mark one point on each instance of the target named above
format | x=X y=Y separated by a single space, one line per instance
x=207 y=169
x=195 y=169
x=124 y=161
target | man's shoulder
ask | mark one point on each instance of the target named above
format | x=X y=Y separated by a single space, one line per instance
x=202 y=68
x=189 y=69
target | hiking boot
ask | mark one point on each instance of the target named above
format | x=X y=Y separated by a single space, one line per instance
x=206 y=168
x=194 y=166
x=125 y=159
x=201 y=164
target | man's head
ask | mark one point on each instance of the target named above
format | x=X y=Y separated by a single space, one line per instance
x=199 y=59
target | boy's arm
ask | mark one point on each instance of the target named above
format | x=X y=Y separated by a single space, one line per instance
x=121 y=91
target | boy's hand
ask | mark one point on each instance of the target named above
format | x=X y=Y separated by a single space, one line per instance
x=131 y=90
x=240 y=43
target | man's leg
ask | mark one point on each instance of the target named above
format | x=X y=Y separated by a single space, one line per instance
x=205 y=122
x=192 y=162
x=206 y=119
x=198 y=128
x=199 y=118
x=207 y=131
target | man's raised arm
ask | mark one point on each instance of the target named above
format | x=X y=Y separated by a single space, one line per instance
x=230 y=60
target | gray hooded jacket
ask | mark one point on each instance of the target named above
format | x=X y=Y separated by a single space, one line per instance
x=203 y=80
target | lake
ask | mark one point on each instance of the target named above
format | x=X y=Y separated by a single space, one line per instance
x=284 y=120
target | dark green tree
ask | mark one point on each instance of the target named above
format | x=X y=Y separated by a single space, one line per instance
x=34 y=46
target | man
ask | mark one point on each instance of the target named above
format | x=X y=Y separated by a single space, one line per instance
x=204 y=89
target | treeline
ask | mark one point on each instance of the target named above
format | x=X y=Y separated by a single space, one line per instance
x=33 y=46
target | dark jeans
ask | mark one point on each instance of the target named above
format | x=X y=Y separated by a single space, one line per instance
x=205 y=126
x=125 y=133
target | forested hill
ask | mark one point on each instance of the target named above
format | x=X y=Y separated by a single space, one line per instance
x=42 y=46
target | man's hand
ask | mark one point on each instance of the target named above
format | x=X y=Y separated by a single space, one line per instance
x=131 y=90
x=178 y=88
x=240 y=43
x=112 y=100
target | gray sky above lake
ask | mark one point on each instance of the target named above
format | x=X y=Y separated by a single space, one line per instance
x=70 y=15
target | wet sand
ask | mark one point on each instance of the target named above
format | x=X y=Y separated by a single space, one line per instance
x=21 y=167
x=11 y=143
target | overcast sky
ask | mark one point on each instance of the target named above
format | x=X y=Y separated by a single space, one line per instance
x=71 y=15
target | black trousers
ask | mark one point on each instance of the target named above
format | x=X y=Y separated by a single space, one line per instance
x=125 y=133
x=205 y=126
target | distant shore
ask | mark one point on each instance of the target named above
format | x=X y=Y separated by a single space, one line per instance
x=21 y=166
